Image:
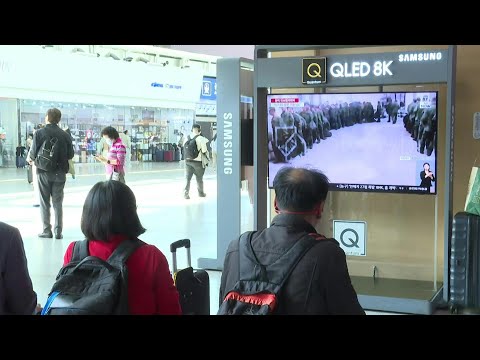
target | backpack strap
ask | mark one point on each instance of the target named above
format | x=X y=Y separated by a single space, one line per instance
x=275 y=274
x=123 y=251
x=80 y=250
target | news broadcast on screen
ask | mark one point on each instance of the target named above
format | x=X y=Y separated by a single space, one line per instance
x=369 y=142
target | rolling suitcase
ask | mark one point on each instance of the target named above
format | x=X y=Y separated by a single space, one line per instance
x=193 y=287
x=465 y=264
x=178 y=155
x=20 y=162
x=159 y=155
x=168 y=155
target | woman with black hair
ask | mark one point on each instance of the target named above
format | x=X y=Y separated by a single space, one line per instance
x=115 y=160
x=110 y=217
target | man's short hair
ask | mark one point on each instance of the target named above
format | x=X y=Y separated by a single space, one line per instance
x=300 y=189
x=54 y=115
x=196 y=126
x=111 y=132
x=109 y=209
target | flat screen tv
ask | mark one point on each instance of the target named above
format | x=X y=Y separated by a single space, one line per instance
x=364 y=142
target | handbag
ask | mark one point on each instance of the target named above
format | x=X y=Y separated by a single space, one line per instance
x=115 y=175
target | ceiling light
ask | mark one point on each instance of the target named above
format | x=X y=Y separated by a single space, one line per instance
x=142 y=59
x=112 y=55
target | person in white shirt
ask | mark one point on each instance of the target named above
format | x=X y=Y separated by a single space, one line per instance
x=128 y=146
x=213 y=146
x=36 y=192
x=196 y=166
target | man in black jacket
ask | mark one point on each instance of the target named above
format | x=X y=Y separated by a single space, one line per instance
x=320 y=282
x=51 y=183
x=16 y=292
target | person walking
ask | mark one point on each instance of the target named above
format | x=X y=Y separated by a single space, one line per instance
x=196 y=160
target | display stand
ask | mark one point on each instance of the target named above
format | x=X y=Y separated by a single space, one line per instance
x=234 y=81
x=405 y=68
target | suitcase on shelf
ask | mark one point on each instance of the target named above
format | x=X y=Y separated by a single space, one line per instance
x=193 y=287
x=465 y=264
x=169 y=156
x=159 y=155
x=29 y=174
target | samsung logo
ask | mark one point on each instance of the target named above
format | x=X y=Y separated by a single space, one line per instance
x=227 y=144
x=425 y=56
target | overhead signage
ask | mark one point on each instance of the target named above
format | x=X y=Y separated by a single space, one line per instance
x=314 y=71
x=370 y=69
x=209 y=88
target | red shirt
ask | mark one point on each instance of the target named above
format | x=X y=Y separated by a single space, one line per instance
x=150 y=285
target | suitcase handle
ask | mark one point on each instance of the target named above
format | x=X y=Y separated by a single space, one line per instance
x=179 y=244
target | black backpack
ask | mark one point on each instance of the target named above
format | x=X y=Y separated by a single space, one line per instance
x=191 y=148
x=90 y=286
x=256 y=292
x=47 y=157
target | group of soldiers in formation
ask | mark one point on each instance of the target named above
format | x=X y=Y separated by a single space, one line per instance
x=295 y=132
x=421 y=123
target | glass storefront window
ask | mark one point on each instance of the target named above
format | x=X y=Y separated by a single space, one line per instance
x=147 y=126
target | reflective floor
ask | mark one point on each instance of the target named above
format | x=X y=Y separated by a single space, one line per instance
x=164 y=212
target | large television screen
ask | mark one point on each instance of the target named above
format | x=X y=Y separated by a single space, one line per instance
x=368 y=142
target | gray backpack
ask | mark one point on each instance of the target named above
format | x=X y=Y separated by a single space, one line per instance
x=88 y=285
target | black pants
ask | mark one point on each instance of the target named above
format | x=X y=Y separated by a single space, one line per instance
x=191 y=168
x=51 y=185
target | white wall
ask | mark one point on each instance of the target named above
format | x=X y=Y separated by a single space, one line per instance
x=59 y=76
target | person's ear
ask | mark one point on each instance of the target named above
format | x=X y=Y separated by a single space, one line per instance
x=275 y=205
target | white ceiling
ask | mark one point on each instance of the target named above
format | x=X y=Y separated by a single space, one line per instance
x=234 y=51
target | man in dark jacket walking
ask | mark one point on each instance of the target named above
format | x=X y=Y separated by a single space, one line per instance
x=320 y=283
x=16 y=292
x=52 y=182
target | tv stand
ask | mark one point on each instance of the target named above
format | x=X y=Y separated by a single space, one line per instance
x=398 y=295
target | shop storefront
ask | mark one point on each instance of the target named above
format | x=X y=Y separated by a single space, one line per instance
x=153 y=103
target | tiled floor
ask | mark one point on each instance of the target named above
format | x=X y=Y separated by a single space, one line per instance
x=163 y=211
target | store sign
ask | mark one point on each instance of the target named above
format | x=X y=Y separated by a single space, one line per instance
x=360 y=69
x=209 y=88
x=370 y=69
x=166 y=86
x=314 y=71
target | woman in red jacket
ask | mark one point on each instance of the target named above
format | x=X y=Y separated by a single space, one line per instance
x=110 y=217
